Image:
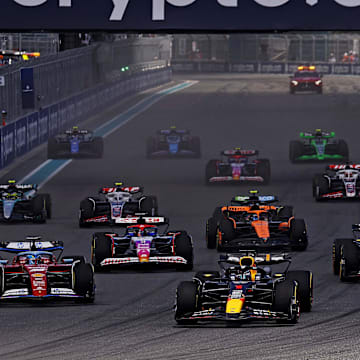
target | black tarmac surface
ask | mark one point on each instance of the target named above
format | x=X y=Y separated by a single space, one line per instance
x=132 y=316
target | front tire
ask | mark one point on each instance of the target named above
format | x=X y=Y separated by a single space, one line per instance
x=184 y=248
x=305 y=282
x=101 y=248
x=336 y=254
x=298 y=235
x=186 y=302
x=211 y=232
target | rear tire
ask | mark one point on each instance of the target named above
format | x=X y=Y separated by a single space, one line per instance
x=320 y=187
x=336 y=254
x=295 y=150
x=298 y=235
x=263 y=169
x=86 y=212
x=39 y=209
x=228 y=233
x=186 y=302
x=101 y=248
x=211 y=171
x=211 y=231
x=149 y=205
x=305 y=282
x=184 y=248
x=349 y=260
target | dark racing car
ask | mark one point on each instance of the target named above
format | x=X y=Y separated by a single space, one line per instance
x=318 y=146
x=346 y=256
x=251 y=222
x=115 y=203
x=173 y=142
x=75 y=143
x=341 y=181
x=35 y=273
x=245 y=290
x=237 y=166
x=22 y=202
x=306 y=79
x=142 y=243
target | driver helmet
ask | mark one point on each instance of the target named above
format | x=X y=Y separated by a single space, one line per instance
x=75 y=130
x=31 y=259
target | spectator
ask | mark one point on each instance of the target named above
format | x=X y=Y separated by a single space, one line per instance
x=345 y=58
x=332 y=58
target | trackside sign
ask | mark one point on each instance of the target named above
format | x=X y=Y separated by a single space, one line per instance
x=167 y=15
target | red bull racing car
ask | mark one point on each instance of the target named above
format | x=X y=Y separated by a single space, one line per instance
x=35 y=273
x=245 y=289
x=238 y=165
x=142 y=243
x=341 y=181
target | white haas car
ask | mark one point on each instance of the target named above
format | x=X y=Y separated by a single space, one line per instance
x=115 y=203
x=340 y=181
x=142 y=243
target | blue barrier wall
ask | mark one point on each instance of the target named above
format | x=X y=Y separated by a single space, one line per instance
x=25 y=134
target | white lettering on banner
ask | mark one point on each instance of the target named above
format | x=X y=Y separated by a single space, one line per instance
x=8 y=144
x=32 y=131
x=33 y=3
x=21 y=137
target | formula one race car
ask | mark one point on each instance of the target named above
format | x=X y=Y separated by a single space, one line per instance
x=173 y=143
x=346 y=256
x=142 y=243
x=75 y=143
x=338 y=182
x=238 y=166
x=250 y=222
x=318 y=146
x=21 y=202
x=245 y=289
x=114 y=204
x=306 y=79
x=35 y=273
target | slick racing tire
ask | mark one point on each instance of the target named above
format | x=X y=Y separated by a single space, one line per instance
x=83 y=282
x=48 y=205
x=263 y=169
x=336 y=254
x=305 y=282
x=211 y=232
x=286 y=212
x=39 y=209
x=195 y=146
x=98 y=147
x=203 y=276
x=285 y=292
x=298 y=235
x=149 y=205
x=320 y=187
x=186 y=302
x=101 y=248
x=227 y=230
x=86 y=212
x=211 y=171
x=343 y=150
x=184 y=248
x=295 y=150
x=349 y=263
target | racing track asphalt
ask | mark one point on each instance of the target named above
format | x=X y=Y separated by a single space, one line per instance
x=132 y=317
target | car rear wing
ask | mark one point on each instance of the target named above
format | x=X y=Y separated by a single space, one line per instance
x=343 y=166
x=259 y=258
x=138 y=220
x=129 y=189
x=239 y=152
x=312 y=135
x=22 y=187
x=260 y=199
x=79 y=132
x=31 y=244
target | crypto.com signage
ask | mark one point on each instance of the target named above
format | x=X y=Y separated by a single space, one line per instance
x=181 y=15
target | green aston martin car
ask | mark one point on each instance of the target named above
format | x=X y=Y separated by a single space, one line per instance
x=318 y=146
